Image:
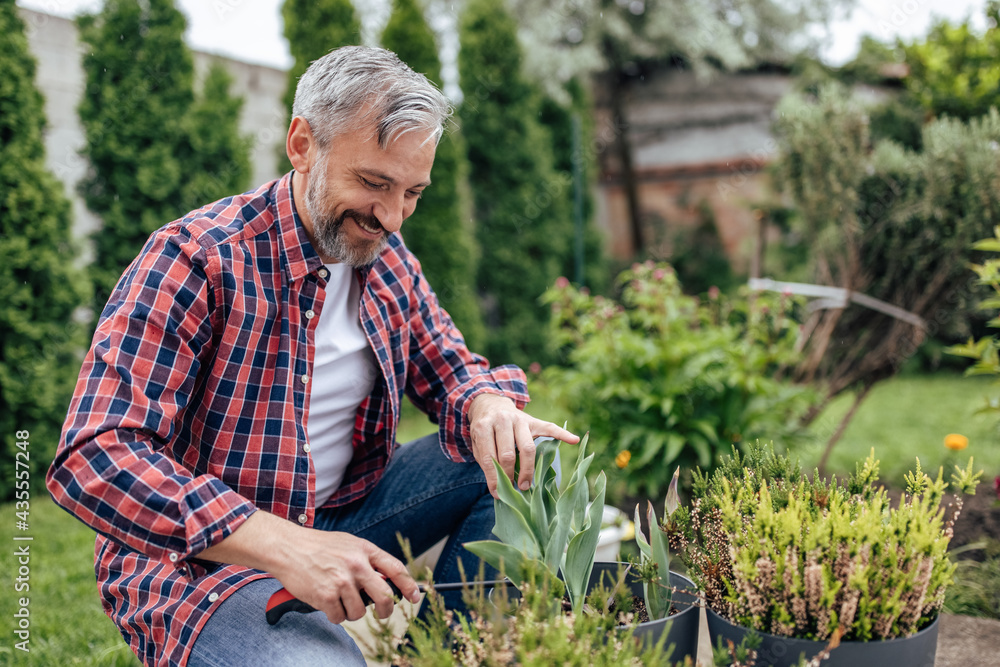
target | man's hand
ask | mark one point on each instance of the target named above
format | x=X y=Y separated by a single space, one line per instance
x=499 y=431
x=324 y=569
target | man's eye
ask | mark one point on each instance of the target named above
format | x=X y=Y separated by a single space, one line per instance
x=370 y=184
x=416 y=193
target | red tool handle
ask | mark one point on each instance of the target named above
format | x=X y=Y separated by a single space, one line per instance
x=282 y=602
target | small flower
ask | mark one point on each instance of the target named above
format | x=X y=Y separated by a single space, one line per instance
x=996 y=486
x=659 y=273
x=713 y=292
x=562 y=282
x=956 y=442
x=535 y=368
x=623 y=458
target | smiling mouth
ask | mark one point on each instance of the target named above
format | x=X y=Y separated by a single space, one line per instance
x=368 y=225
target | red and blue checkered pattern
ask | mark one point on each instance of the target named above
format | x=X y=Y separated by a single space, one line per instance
x=191 y=407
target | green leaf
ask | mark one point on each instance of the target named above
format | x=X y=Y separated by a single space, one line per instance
x=513 y=528
x=502 y=556
x=640 y=539
x=582 y=548
x=506 y=492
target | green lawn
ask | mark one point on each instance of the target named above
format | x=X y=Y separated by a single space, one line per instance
x=68 y=626
x=902 y=418
x=909 y=416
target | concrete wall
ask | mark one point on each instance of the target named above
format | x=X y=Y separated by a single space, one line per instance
x=54 y=43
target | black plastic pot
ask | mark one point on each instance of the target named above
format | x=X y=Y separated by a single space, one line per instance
x=681 y=628
x=917 y=650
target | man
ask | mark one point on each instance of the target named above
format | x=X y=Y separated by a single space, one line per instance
x=233 y=429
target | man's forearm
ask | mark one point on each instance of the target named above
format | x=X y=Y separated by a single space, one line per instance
x=261 y=542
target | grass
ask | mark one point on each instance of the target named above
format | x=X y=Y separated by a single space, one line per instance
x=909 y=416
x=68 y=626
x=902 y=418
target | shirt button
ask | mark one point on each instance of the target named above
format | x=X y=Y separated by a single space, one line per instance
x=173 y=558
x=323 y=273
x=303 y=518
x=306 y=448
x=213 y=597
x=310 y=314
x=305 y=379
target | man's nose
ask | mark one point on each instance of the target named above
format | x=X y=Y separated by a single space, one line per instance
x=391 y=213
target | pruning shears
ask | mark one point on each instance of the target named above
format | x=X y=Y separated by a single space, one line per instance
x=281 y=601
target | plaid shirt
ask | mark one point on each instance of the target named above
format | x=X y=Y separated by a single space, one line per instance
x=191 y=406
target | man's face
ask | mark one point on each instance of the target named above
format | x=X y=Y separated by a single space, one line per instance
x=358 y=194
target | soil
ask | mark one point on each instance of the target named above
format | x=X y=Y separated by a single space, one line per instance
x=979 y=520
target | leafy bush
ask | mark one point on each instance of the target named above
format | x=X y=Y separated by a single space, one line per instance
x=986 y=350
x=666 y=379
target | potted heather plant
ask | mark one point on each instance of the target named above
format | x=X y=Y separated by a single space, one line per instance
x=548 y=540
x=821 y=568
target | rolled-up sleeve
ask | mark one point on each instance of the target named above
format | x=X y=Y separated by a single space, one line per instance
x=111 y=470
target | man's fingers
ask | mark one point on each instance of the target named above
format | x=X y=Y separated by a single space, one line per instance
x=394 y=570
x=506 y=448
x=354 y=608
x=539 y=427
x=526 y=448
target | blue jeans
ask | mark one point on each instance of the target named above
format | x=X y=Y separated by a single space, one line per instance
x=424 y=497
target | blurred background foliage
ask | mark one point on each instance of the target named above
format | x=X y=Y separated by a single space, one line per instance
x=156 y=147
x=41 y=330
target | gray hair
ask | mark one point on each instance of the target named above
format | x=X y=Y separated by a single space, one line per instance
x=356 y=85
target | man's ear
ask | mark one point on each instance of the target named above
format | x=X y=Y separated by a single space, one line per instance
x=300 y=145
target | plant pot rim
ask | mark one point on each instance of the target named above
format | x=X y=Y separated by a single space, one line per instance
x=716 y=616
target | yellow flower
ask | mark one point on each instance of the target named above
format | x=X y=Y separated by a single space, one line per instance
x=623 y=458
x=956 y=442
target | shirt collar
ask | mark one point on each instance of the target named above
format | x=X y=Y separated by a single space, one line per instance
x=298 y=255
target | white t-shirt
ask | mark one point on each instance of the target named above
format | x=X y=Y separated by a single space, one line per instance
x=344 y=371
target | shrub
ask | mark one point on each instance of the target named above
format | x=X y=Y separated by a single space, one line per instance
x=522 y=218
x=40 y=289
x=156 y=150
x=781 y=554
x=666 y=379
x=436 y=232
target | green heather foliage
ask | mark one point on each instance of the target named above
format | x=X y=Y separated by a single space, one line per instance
x=666 y=379
x=436 y=232
x=521 y=201
x=501 y=632
x=547 y=530
x=313 y=28
x=40 y=339
x=156 y=150
x=783 y=554
x=954 y=72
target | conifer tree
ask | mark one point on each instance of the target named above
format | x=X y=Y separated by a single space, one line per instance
x=313 y=28
x=155 y=151
x=436 y=232
x=39 y=286
x=560 y=118
x=521 y=201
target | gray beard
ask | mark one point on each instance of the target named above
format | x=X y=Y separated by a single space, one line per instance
x=328 y=233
